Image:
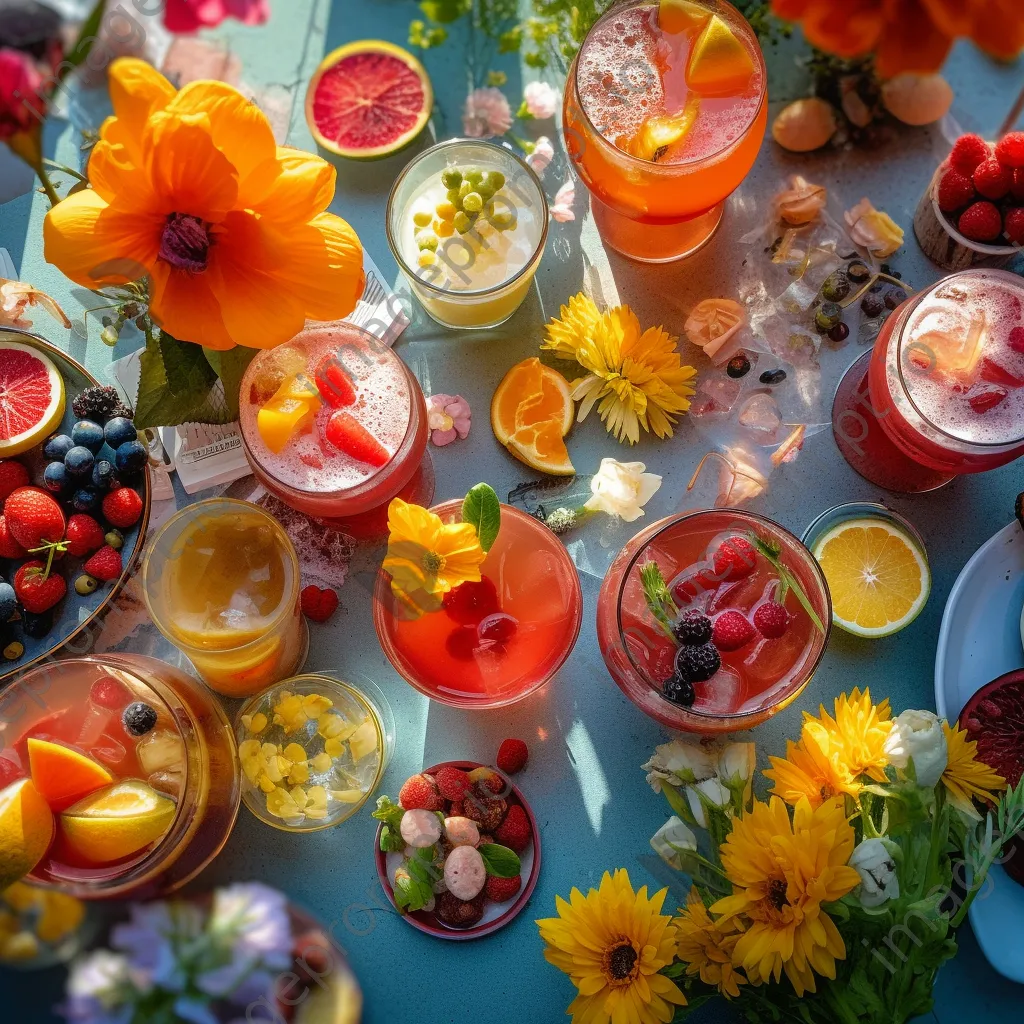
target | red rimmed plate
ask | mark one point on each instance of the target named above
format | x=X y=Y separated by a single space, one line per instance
x=496 y=915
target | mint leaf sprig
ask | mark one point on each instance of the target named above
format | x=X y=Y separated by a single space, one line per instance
x=390 y=815
x=658 y=597
x=773 y=553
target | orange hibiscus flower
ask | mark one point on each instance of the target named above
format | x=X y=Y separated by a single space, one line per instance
x=907 y=35
x=190 y=190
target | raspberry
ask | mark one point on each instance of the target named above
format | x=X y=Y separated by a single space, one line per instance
x=12 y=476
x=110 y=693
x=1017 y=188
x=1010 y=149
x=981 y=222
x=1014 y=225
x=955 y=190
x=469 y=603
x=498 y=628
x=692 y=627
x=487 y=812
x=461 y=643
x=983 y=397
x=487 y=781
x=732 y=631
x=512 y=756
x=122 y=507
x=698 y=663
x=771 y=620
x=501 y=890
x=84 y=535
x=968 y=152
x=420 y=792
x=453 y=783
x=317 y=604
x=515 y=831
x=735 y=559
x=992 y=179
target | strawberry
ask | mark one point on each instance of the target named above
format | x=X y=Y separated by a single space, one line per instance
x=1010 y=149
x=36 y=591
x=981 y=222
x=735 y=559
x=12 y=476
x=9 y=547
x=983 y=397
x=515 y=832
x=732 y=631
x=318 y=605
x=955 y=190
x=994 y=373
x=968 y=152
x=84 y=535
x=992 y=179
x=1014 y=225
x=501 y=890
x=1015 y=341
x=334 y=384
x=123 y=507
x=512 y=756
x=771 y=620
x=345 y=432
x=453 y=783
x=33 y=517
x=420 y=791
x=105 y=565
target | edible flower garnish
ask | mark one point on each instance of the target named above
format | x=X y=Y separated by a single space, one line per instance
x=873 y=230
x=448 y=417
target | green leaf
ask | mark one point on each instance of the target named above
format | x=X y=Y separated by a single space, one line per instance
x=230 y=367
x=500 y=861
x=411 y=894
x=658 y=597
x=87 y=36
x=772 y=553
x=483 y=509
x=390 y=814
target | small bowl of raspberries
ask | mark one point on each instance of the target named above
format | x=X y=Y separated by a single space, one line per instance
x=977 y=197
x=458 y=854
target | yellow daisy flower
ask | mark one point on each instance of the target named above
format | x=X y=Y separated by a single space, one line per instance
x=573 y=325
x=781 y=873
x=612 y=943
x=855 y=738
x=806 y=773
x=706 y=947
x=966 y=778
x=426 y=557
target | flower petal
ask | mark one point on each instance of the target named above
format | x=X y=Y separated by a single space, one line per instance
x=293 y=188
x=185 y=306
x=117 y=179
x=137 y=90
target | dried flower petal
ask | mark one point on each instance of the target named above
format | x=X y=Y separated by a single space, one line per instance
x=801 y=202
x=17 y=296
x=873 y=230
x=712 y=323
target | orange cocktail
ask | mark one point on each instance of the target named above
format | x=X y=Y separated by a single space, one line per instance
x=665 y=110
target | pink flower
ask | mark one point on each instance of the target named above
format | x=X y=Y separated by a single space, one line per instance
x=192 y=15
x=539 y=101
x=22 y=106
x=561 y=208
x=448 y=417
x=543 y=153
x=486 y=113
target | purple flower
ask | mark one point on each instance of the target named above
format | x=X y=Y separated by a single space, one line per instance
x=153 y=936
x=486 y=113
x=252 y=920
x=448 y=417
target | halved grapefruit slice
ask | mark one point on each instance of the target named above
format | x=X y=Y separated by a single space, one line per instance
x=31 y=398
x=368 y=99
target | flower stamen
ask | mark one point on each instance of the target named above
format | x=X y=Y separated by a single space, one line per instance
x=621 y=962
x=185 y=243
x=433 y=563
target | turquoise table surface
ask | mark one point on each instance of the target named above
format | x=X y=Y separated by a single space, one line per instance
x=587 y=742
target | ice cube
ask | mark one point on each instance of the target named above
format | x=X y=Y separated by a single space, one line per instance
x=723 y=391
x=759 y=414
x=160 y=750
x=96 y=721
x=722 y=694
x=108 y=751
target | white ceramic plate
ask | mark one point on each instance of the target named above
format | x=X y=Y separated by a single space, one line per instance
x=980 y=640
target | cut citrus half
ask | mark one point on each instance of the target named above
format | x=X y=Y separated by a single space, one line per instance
x=530 y=393
x=878 y=577
x=26 y=830
x=720 y=64
x=368 y=99
x=679 y=16
x=62 y=775
x=31 y=398
x=541 y=447
x=116 y=822
x=658 y=134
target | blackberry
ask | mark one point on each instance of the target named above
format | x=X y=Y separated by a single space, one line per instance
x=101 y=403
x=679 y=690
x=692 y=628
x=138 y=718
x=698 y=663
x=772 y=377
x=37 y=625
x=892 y=298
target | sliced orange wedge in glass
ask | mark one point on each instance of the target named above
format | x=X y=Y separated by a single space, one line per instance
x=291 y=410
x=658 y=134
x=720 y=65
x=542 y=447
x=530 y=393
x=26 y=829
x=63 y=775
x=679 y=16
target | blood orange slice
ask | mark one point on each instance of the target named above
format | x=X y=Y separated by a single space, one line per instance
x=31 y=398
x=368 y=99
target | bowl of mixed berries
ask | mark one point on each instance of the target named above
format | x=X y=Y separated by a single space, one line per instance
x=459 y=853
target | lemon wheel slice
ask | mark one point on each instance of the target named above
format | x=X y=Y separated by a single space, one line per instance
x=877 y=575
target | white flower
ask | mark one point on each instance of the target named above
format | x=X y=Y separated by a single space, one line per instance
x=622 y=489
x=98 y=988
x=561 y=208
x=877 y=870
x=736 y=762
x=918 y=735
x=873 y=230
x=542 y=155
x=678 y=763
x=709 y=793
x=673 y=836
x=539 y=101
x=486 y=113
x=253 y=920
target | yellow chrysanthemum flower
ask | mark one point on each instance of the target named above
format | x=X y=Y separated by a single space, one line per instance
x=612 y=943
x=781 y=873
x=706 y=947
x=806 y=773
x=966 y=778
x=573 y=325
x=855 y=738
x=427 y=557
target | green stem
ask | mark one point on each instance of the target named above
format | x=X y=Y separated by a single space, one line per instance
x=48 y=188
x=65 y=169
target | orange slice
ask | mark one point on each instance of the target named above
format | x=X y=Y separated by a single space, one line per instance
x=63 y=775
x=720 y=64
x=530 y=393
x=26 y=830
x=679 y=16
x=541 y=447
x=658 y=134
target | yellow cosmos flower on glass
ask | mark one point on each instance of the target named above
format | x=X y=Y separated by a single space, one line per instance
x=966 y=778
x=706 y=947
x=806 y=773
x=612 y=943
x=573 y=325
x=190 y=190
x=427 y=557
x=781 y=873
x=854 y=739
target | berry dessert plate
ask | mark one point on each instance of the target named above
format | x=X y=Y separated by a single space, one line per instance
x=980 y=640
x=76 y=617
x=495 y=915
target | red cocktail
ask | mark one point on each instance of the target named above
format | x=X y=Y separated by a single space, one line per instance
x=944 y=390
x=713 y=621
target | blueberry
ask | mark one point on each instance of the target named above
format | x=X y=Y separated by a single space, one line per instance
x=8 y=602
x=130 y=456
x=79 y=461
x=698 y=663
x=88 y=434
x=55 y=477
x=858 y=271
x=37 y=626
x=679 y=690
x=85 y=499
x=57 y=447
x=772 y=377
x=119 y=431
x=138 y=718
x=103 y=475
